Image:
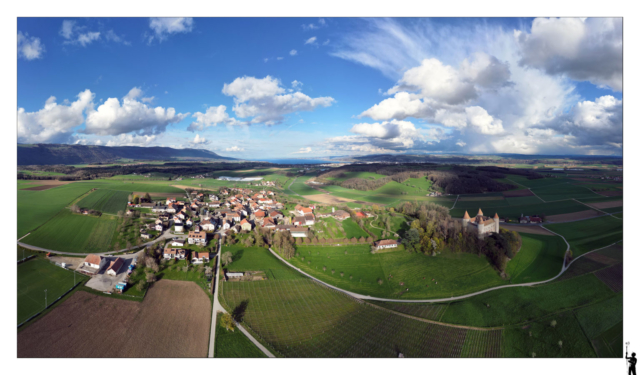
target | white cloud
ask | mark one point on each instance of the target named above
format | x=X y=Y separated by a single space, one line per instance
x=400 y=106
x=460 y=143
x=29 y=48
x=311 y=40
x=55 y=122
x=131 y=140
x=293 y=52
x=325 y=42
x=165 y=26
x=234 y=149
x=113 y=37
x=148 y=99
x=303 y=150
x=296 y=84
x=393 y=134
x=113 y=117
x=482 y=121
x=212 y=117
x=583 y=49
x=265 y=101
x=279 y=58
x=77 y=35
x=199 y=141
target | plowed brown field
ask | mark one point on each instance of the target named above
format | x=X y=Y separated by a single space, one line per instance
x=574 y=216
x=172 y=321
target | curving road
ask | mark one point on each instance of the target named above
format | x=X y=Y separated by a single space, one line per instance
x=360 y=296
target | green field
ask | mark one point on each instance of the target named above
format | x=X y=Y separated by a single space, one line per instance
x=536 y=183
x=106 y=201
x=518 y=305
x=75 y=233
x=587 y=235
x=540 y=258
x=299 y=186
x=352 y=229
x=455 y=274
x=564 y=191
x=258 y=259
x=300 y=318
x=513 y=212
x=151 y=187
x=363 y=175
x=234 y=344
x=36 y=207
x=544 y=339
x=36 y=275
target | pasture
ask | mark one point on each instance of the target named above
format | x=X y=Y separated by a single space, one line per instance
x=300 y=318
x=36 y=207
x=106 y=201
x=36 y=275
x=513 y=212
x=448 y=274
x=299 y=186
x=75 y=233
x=258 y=259
x=520 y=304
x=563 y=191
x=540 y=258
x=590 y=234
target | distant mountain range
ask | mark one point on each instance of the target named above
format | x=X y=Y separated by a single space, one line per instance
x=49 y=154
x=453 y=158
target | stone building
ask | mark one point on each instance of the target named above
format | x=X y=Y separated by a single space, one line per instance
x=482 y=225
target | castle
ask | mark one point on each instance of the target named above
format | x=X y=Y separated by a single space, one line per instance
x=483 y=225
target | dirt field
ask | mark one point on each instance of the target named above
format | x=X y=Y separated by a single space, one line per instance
x=185 y=187
x=162 y=195
x=533 y=229
x=610 y=204
x=49 y=182
x=601 y=258
x=574 y=216
x=172 y=321
x=517 y=193
x=41 y=187
x=611 y=193
x=327 y=198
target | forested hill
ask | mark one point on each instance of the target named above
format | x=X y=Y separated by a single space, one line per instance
x=47 y=154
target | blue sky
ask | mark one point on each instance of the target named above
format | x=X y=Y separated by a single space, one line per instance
x=261 y=88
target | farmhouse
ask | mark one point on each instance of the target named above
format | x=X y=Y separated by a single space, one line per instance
x=115 y=266
x=301 y=210
x=198 y=238
x=299 y=232
x=207 y=225
x=309 y=219
x=385 y=244
x=482 y=225
x=94 y=261
x=341 y=215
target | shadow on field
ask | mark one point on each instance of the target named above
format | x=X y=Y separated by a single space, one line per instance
x=238 y=255
x=238 y=312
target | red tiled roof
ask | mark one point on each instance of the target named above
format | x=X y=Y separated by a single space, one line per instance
x=93 y=259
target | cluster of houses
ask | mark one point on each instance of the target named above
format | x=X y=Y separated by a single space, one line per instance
x=529 y=219
x=175 y=252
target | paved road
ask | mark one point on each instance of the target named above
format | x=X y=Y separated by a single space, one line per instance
x=360 y=296
x=166 y=235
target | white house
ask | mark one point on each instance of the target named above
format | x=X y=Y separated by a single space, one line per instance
x=199 y=257
x=159 y=227
x=177 y=242
x=385 y=244
x=94 y=261
x=178 y=227
x=115 y=266
x=198 y=238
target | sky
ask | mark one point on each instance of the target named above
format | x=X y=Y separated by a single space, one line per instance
x=269 y=88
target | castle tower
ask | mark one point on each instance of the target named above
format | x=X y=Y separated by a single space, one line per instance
x=480 y=212
x=496 y=220
x=480 y=227
x=465 y=219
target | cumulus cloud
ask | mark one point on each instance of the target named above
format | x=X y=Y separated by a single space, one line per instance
x=234 y=149
x=131 y=140
x=77 y=35
x=163 y=27
x=311 y=40
x=264 y=100
x=293 y=52
x=198 y=141
x=55 y=122
x=212 y=117
x=29 y=48
x=114 y=117
x=583 y=49
x=460 y=143
x=303 y=150
x=400 y=106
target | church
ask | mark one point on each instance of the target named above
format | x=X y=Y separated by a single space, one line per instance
x=483 y=225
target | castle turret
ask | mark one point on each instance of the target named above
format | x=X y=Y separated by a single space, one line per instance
x=496 y=220
x=480 y=227
x=465 y=219
x=480 y=212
